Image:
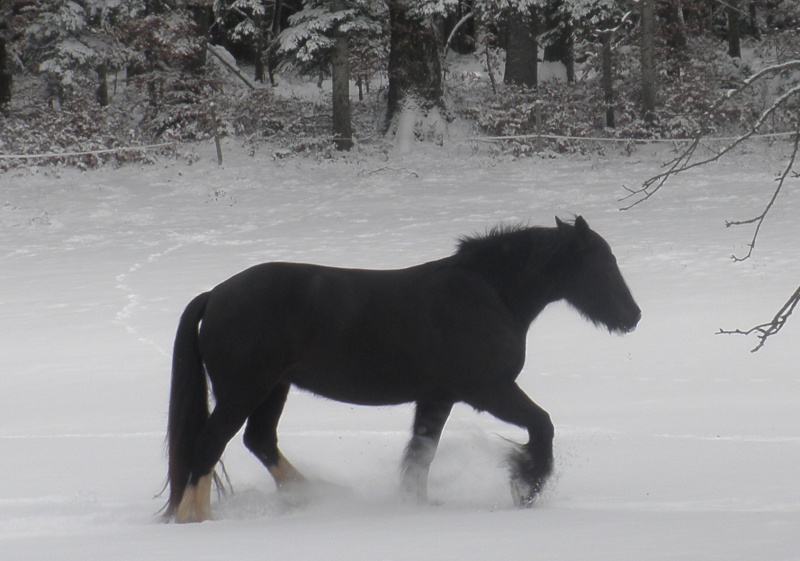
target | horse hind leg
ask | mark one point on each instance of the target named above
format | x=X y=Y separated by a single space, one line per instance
x=429 y=420
x=261 y=438
x=531 y=464
x=195 y=505
x=222 y=425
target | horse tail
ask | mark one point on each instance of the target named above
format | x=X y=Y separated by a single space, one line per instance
x=188 y=401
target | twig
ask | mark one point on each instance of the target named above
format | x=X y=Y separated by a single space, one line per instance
x=683 y=162
x=678 y=165
x=387 y=168
x=766 y=330
x=613 y=30
x=759 y=220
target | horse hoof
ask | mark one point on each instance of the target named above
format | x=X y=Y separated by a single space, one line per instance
x=195 y=505
x=524 y=494
x=417 y=497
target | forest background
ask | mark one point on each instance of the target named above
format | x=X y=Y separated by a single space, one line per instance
x=90 y=75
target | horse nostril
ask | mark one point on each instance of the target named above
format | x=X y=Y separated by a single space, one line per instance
x=636 y=321
x=633 y=321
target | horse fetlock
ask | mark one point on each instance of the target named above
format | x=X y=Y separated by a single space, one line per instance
x=195 y=504
x=415 y=484
x=524 y=494
x=284 y=473
x=529 y=468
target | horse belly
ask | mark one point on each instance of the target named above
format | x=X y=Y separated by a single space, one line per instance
x=392 y=371
x=356 y=381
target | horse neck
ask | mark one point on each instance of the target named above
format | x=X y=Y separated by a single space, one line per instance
x=525 y=285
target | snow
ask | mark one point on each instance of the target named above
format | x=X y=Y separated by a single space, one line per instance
x=671 y=442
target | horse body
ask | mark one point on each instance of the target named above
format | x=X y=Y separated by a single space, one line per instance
x=447 y=331
x=360 y=336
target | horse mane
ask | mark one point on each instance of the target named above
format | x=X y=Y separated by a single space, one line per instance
x=506 y=238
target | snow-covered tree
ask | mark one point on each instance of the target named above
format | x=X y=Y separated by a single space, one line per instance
x=319 y=40
x=534 y=27
x=246 y=22
x=75 y=43
x=308 y=43
x=415 y=96
x=62 y=44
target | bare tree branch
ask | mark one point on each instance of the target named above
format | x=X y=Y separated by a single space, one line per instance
x=457 y=26
x=774 y=69
x=766 y=330
x=759 y=220
x=683 y=162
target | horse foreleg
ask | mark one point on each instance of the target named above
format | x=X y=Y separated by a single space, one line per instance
x=531 y=464
x=429 y=420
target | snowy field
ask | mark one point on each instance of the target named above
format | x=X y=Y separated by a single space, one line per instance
x=671 y=442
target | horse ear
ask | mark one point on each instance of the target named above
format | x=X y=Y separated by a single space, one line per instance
x=582 y=232
x=559 y=223
x=582 y=227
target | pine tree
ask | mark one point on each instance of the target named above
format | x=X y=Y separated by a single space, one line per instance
x=319 y=42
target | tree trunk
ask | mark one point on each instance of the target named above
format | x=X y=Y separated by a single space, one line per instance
x=102 y=86
x=734 y=43
x=202 y=15
x=648 y=62
x=522 y=51
x=569 y=62
x=5 y=75
x=415 y=74
x=562 y=48
x=677 y=39
x=608 y=79
x=274 y=31
x=258 y=22
x=340 y=71
x=752 y=26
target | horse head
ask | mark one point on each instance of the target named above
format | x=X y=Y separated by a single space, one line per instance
x=592 y=282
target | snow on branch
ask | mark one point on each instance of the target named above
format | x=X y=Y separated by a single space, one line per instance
x=774 y=69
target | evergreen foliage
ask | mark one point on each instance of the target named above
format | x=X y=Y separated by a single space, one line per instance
x=92 y=74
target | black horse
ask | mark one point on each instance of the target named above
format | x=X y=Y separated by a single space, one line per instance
x=439 y=333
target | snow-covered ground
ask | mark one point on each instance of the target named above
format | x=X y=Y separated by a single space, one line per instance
x=671 y=442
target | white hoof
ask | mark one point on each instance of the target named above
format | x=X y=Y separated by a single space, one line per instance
x=196 y=502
